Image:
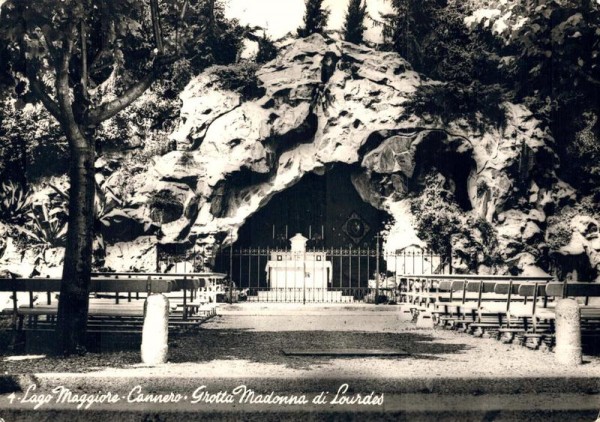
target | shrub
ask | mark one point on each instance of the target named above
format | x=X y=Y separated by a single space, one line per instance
x=442 y=224
x=266 y=50
x=476 y=102
x=559 y=233
x=187 y=159
x=240 y=78
x=15 y=203
x=46 y=227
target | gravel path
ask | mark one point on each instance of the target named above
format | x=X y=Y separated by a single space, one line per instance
x=247 y=342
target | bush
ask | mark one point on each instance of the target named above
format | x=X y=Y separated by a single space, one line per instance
x=240 y=78
x=266 y=50
x=15 y=203
x=442 y=224
x=47 y=226
x=479 y=104
x=559 y=231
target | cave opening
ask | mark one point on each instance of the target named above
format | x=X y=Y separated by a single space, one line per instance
x=325 y=208
x=432 y=155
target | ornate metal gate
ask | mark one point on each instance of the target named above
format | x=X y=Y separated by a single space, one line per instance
x=351 y=274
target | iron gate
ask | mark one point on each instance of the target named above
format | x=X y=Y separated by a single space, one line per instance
x=352 y=273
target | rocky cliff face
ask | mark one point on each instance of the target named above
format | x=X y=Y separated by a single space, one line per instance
x=322 y=102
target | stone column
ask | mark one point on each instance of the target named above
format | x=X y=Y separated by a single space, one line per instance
x=155 y=334
x=568 y=332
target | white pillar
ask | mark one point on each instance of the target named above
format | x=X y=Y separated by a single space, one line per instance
x=155 y=334
x=568 y=332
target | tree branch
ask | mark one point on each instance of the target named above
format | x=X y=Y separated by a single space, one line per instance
x=84 y=62
x=156 y=26
x=105 y=111
x=63 y=95
x=42 y=95
x=108 y=110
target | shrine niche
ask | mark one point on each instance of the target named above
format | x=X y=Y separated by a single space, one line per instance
x=298 y=268
x=328 y=213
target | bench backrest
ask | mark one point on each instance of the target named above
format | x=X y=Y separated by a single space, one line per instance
x=505 y=287
x=98 y=285
x=573 y=289
x=111 y=285
x=445 y=286
x=485 y=286
x=528 y=290
x=458 y=285
x=30 y=284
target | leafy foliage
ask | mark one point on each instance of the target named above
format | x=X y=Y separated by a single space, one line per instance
x=240 y=78
x=551 y=54
x=450 y=232
x=266 y=49
x=315 y=18
x=559 y=231
x=431 y=34
x=31 y=143
x=478 y=103
x=555 y=44
x=15 y=203
x=47 y=226
x=354 y=23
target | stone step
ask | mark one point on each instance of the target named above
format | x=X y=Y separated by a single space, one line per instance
x=300 y=296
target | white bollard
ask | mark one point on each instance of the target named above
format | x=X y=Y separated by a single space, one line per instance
x=155 y=334
x=568 y=332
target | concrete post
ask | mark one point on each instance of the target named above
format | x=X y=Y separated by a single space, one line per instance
x=568 y=332
x=155 y=334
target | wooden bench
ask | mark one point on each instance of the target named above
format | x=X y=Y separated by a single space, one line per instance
x=107 y=311
x=43 y=315
x=478 y=306
x=590 y=314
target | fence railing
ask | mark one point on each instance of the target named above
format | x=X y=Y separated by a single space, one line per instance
x=350 y=272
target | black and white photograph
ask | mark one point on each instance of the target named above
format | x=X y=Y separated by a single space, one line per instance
x=299 y=210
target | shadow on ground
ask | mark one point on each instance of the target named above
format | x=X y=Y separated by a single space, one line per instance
x=206 y=345
x=266 y=347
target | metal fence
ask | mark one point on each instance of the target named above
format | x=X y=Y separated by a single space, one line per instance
x=351 y=273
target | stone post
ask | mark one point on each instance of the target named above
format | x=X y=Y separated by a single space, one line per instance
x=155 y=333
x=568 y=332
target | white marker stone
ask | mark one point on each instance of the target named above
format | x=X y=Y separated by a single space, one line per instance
x=155 y=334
x=568 y=333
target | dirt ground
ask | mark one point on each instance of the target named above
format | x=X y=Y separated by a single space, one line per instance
x=248 y=340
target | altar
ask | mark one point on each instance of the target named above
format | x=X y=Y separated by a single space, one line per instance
x=298 y=268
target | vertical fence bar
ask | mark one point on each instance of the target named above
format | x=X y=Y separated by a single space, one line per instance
x=258 y=267
x=285 y=277
x=359 y=290
x=430 y=261
x=341 y=270
x=350 y=270
x=377 y=270
x=368 y=265
x=314 y=272
x=230 y=262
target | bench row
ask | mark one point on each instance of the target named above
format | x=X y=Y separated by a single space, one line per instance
x=522 y=309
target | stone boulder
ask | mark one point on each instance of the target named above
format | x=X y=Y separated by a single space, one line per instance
x=321 y=102
x=137 y=255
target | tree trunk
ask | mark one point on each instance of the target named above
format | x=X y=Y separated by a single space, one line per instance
x=73 y=301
